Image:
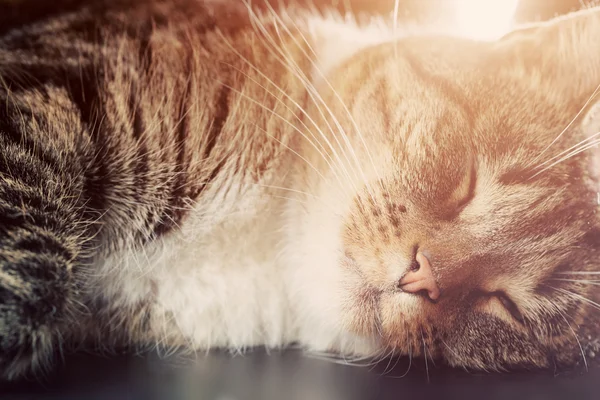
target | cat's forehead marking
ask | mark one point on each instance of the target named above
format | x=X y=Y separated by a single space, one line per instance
x=444 y=87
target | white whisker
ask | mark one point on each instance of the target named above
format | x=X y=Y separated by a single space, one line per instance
x=296 y=153
x=288 y=62
x=568 y=150
x=569 y=155
x=343 y=104
x=390 y=358
x=425 y=355
x=285 y=121
x=278 y=99
x=562 y=314
x=335 y=358
x=578 y=297
x=398 y=358
x=587 y=282
x=589 y=100
x=309 y=85
x=316 y=99
x=410 y=359
x=580 y=273
x=300 y=108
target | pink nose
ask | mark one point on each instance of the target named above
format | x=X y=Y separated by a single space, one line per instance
x=421 y=279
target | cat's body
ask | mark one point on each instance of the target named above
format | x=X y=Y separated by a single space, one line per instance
x=237 y=250
x=222 y=242
x=200 y=177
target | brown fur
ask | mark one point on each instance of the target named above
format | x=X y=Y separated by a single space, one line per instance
x=117 y=123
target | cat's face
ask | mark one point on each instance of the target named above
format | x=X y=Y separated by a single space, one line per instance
x=455 y=238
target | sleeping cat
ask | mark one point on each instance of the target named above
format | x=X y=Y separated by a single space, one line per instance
x=194 y=174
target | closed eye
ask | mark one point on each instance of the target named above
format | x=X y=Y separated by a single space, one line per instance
x=464 y=194
x=509 y=305
x=471 y=190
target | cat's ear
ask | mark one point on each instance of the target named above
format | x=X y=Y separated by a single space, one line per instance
x=565 y=52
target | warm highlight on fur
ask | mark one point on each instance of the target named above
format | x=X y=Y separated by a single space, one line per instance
x=195 y=174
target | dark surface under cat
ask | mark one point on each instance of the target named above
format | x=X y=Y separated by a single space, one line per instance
x=289 y=375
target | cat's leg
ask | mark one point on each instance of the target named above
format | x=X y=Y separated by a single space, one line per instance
x=36 y=286
x=42 y=233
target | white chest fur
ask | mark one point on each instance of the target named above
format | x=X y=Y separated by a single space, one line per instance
x=236 y=277
x=217 y=281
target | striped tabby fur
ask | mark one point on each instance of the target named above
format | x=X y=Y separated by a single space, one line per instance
x=187 y=173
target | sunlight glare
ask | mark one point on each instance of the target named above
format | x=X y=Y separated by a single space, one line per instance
x=484 y=19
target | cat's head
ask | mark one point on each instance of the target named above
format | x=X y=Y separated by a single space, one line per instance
x=459 y=204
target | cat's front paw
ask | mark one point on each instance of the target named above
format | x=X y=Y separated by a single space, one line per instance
x=32 y=310
x=23 y=347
